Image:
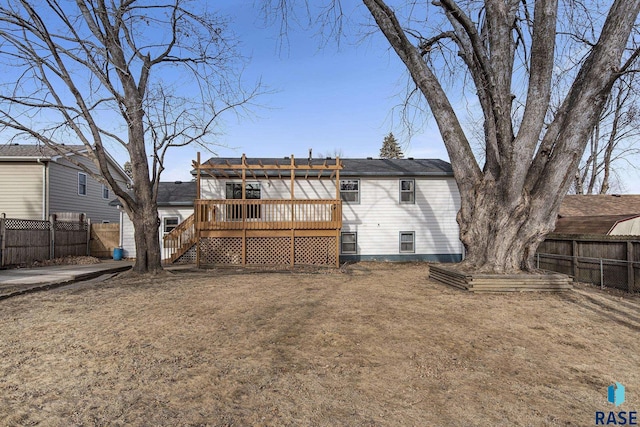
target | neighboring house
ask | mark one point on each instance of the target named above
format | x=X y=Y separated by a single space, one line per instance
x=35 y=182
x=322 y=213
x=606 y=214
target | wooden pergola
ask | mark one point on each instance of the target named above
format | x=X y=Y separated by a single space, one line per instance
x=264 y=223
x=260 y=170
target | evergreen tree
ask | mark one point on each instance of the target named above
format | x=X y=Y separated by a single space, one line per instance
x=390 y=148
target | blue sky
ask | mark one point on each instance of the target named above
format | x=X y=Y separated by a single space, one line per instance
x=328 y=99
x=332 y=98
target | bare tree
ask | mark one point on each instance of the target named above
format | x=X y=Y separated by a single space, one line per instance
x=612 y=142
x=139 y=74
x=502 y=55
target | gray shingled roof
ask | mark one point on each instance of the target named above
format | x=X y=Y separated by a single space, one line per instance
x=357 y=167
x=12 y=150
x=178 y=193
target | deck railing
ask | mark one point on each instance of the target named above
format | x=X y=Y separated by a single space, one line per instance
x=179 y=240
x=324 y=214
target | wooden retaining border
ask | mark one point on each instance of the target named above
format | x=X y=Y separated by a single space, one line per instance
x=482 y=282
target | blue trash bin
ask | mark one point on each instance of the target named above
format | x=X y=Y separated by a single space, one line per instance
x=117 y=254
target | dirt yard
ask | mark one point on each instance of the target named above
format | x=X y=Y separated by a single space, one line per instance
x=375 y=345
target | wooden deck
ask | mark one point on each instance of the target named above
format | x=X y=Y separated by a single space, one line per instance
x=472 y=282
x=304 y=214
x=243 y=232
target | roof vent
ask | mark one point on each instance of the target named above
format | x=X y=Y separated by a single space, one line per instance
x=616 y=195
x=178 y=182
x=369 y=158
x=409 y=158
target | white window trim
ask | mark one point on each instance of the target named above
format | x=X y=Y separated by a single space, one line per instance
x=413 y=242
x=355 y=234
x=357 y=192
x=86 y=184
x=413 y=191
x=164 y=223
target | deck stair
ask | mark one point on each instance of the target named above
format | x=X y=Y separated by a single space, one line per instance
x=180 y=240
x=480 y=282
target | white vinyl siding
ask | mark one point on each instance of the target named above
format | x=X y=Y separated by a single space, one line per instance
x=274 y=188
x=64 y=197
x=379 y=218
x=128 y=240
x=21 y=190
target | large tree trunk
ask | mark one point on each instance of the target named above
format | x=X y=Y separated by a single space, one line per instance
x=147 y=240
x=510 y=203
x=504 y=239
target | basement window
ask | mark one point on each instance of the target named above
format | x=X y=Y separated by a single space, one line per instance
x=407 y=242
x=348 y=243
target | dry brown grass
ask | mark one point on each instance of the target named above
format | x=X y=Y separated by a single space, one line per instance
x=378 y=344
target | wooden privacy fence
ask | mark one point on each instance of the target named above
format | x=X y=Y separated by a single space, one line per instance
x=612 y=261
x=104 y=239
x=24 y=241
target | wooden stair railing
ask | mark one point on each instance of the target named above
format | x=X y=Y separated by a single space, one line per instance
x=179 y=240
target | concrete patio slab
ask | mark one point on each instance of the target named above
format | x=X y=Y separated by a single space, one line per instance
x=23 y=280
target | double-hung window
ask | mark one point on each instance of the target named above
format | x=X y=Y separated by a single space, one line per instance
x=407 y=242
x=348 y=242
x=407 y=191
x=350 y=190
x=105 y=192
x=169 y=223
x=82 y=184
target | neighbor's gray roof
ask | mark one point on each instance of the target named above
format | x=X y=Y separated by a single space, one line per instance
x=39 y=151
x=356 y=167
x=176 y=193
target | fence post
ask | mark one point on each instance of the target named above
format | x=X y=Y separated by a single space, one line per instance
x=630 y=273
x=574 y=260
x=88 y=222
x=3 y=232
x=52 y=234
x=601 y=275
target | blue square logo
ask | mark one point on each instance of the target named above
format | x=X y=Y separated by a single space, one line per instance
x=615 y=394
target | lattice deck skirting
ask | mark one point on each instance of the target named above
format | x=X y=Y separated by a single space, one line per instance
x=313 y=250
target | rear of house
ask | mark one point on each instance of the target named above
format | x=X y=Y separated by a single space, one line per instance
x=392 y=210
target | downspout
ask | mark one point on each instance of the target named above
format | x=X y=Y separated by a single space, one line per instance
x=121 y=237
x=45 y=193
